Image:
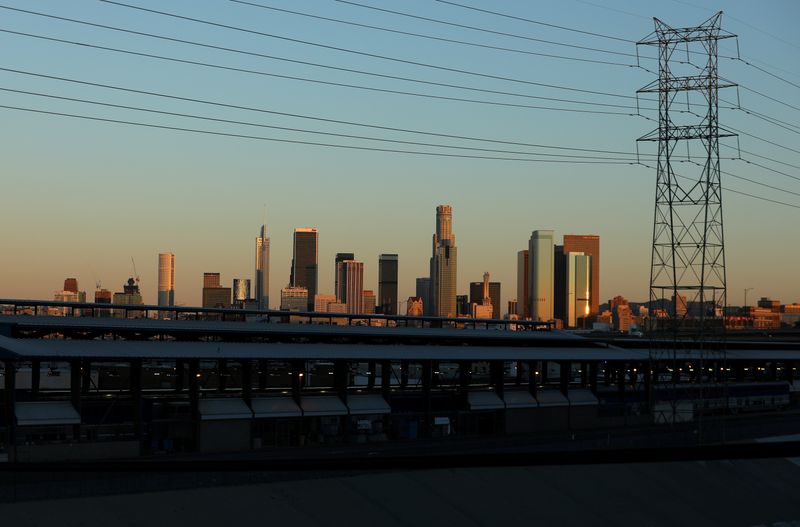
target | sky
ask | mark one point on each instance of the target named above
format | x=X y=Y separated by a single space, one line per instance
x=81 y=198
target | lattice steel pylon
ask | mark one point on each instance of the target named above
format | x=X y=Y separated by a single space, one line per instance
x=687 y=274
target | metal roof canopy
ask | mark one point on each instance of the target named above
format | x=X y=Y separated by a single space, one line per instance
x=217 y=409
x=46 y=413
x=519 y=399
x=485 y=400
x=116 y=350
x=322 y=406
x=551 y=398
x=367 y=405
x=275 y=407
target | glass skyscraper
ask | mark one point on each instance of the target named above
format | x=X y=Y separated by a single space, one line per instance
x=387 y=284
x=541 y=269
x=444 y=268
x=305 y=262
x=262 y=269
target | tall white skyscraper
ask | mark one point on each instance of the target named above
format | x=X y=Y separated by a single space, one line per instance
x=262 y=269
x=166 y=279
x=444 y=269
x=540 y=281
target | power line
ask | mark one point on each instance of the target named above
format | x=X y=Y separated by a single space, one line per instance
x=311 y=80
x=485 y=30
x=314 y=64
x=367 y=54
x=432 y=37
x=537 y=22
x=312 y=143
x=302 y=130
x=308 y=117
x=769 y=97
x=773 y=143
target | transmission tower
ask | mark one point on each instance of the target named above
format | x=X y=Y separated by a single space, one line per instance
x=687 y=274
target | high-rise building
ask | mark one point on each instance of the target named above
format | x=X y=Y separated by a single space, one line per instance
x=305 y=262
x=540 y=263
x=241 y=290
x=476 y=296
x=512 y=308
x=588 y=244
x=444 y=269
x=576 y=293
x=102 y=296
x=414 y=306
x=294 y=298
x=423 y=291
x=368 y=301
x=210 y=279
x=338 y=279
x=321 y=302
x=559 y=283
x=71 y=285
x=130 y=295
x=166 y=279
x=463 y=306
x=262 y=269
x=523 y=288
x=387 y=284
x=352 y=272
x=484 y=308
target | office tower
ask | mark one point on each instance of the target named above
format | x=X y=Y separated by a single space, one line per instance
x=368 y=301
x=476 y=296
x=577 y=270
x=387 y=284
x=338 y=279
x=321 y=302
x=559 y=284
x=305 y=254
x=262 y=269
x=523 y=288
x=589 y=245
x=102 y=296
x=130 y=295
x=484 y=308
x=423 y=291
x=294 y=298
x=210 y=280
x=352 y=285
x=463 y=307
x=512 y=308
x=444 y=265
x=166 y=279
x=71 y=285
x=540 y=281
x=241 y=290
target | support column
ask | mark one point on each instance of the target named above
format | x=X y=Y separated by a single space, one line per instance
x=86 y=376
x=532 y=380
x=427 y=427
x=564 y=377
x=341 y=370
x=10 y=391
x=194 y=401
x=386 y=379
x=464 y=376
x=404 y=373
x=520 y=378
x=247 y=380
x=593 y=377
x=496 y=375
x=75 y=393
x=36 y=366
x=584 y=374
x=789 y=371
x=607 y=374
x=434 y=375
x=371 y=370
x=620 y=366
x=648 y=386
x=222 y=375
x=298 y=378
x=180 y=376
x=136 y=396
x=263 y=375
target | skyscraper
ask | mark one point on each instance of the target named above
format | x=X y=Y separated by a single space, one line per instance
x=305 y=254
x=540 y=263
x=262 y=269
x=588 y=244
x=71 y=285
x=476 y=296
x=523 y=288
x=423 y=291
x=444 y=265
x=577 y=270
x=368 y=301
x=294 y=298
x=210 y=279
x=387 y=284
x=241 y=290
x=559 y=284
x=338 y=279
x=353 y=273
x=166 y=279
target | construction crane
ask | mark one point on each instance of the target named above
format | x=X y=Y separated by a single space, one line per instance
x=135 y=274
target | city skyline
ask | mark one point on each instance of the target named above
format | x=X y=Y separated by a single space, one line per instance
x=95 y=182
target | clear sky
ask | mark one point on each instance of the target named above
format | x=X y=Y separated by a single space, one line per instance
x=79 y=198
